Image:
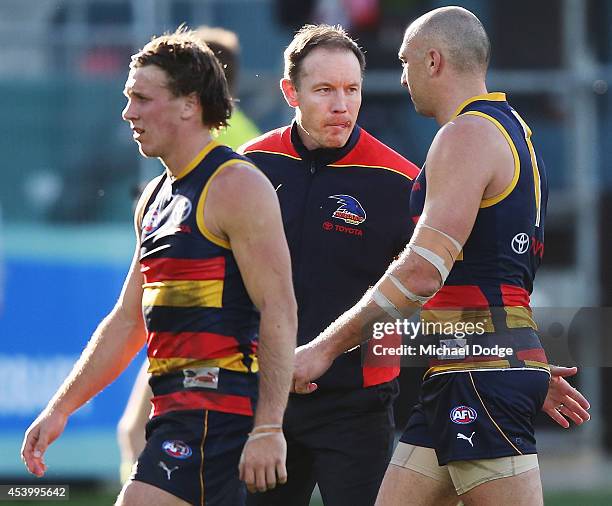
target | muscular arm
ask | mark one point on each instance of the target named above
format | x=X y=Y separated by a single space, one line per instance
x=112 y=346
x=456 y=165
x=242 y=207
x=251 y=221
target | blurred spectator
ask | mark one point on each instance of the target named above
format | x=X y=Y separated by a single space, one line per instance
x=226 y=46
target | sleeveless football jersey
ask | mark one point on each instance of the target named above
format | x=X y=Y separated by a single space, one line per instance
x=201 y=324
x=492 y=279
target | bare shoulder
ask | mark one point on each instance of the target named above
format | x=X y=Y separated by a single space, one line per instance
x=239 y=196
x=241 y=177
x=470 y=144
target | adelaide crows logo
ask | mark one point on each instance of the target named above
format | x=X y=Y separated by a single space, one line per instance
x=350 y=209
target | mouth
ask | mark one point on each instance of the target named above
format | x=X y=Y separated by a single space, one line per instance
x=137 y=132
x=340 y=125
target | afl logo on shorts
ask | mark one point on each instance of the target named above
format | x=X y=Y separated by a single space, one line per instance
x=177 y=449
x=463 y=415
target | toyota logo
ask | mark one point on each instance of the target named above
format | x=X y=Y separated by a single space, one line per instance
x=520 y=243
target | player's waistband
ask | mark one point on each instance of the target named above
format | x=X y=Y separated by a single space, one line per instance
x=204 y=388
x=510 y=349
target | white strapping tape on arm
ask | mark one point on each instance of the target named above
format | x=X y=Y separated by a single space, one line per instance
x=386 y=305
x=433 y=259
x=410 y=295
x=451 y=239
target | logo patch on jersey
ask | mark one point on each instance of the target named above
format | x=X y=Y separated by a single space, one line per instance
x=202 y=377
x=181 y=209
x=150 y=221
x=167 y=221
x=350 y=210
x=520 y=243
x=177 y=449
x=463 y=415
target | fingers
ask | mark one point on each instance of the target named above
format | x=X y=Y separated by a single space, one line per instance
x=563 y=401
x=574 y=410
x=32 y=452
x=41 y=445
x=249 y=479
x=303 y=387
x=557 y=417
x=573 y=394
x=268 y=478
x=27 y=447
x=561 y=407
x=262 y=465
x=573 y=400
x=572 y=415
x=281 y=472
x=557 y=370
x=241 y=468
x=263 y=479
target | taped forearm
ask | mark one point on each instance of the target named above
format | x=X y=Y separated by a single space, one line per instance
x=395 y=293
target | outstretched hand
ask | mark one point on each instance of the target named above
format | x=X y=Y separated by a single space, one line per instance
x=563 y=402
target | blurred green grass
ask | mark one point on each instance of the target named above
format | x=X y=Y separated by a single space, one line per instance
x=106 y=497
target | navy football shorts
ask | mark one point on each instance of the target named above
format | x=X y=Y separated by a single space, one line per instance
x=194 y=455
x=478 y=414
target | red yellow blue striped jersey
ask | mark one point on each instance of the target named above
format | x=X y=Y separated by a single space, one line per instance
x=201 y=324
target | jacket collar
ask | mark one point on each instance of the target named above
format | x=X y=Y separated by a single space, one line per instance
x=323 y=156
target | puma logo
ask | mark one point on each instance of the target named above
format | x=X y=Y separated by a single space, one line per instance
x=468 y=439
x=165 y=468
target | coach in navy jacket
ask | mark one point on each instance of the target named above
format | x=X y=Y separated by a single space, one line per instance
x=344 y=198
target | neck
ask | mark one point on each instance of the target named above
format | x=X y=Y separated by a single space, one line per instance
x=307 y=140
x=455 y=96
x=185 y=150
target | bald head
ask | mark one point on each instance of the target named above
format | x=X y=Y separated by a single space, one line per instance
x=457 y=34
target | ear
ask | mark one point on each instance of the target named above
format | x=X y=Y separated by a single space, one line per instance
x=289 y=92
x=434 y=62
x=191 y=106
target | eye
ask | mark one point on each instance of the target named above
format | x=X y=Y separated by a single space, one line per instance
x=324 y=89
x=139 y=98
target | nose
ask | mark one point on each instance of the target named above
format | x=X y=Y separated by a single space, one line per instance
x=339 y=105
x=128 y=113
x=404 y=79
